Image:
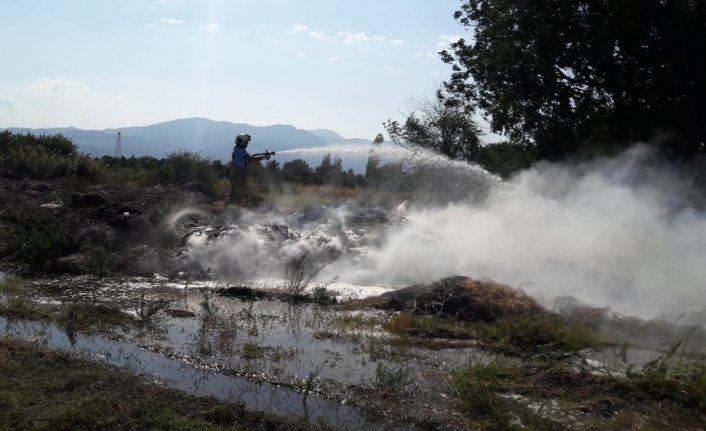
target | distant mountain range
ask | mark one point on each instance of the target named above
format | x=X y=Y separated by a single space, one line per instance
x=212 y=139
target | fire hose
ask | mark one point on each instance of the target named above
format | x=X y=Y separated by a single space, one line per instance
x=266 y=153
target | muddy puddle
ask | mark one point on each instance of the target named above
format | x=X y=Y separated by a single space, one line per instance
x=293 y=359
x=268 y=340
x=188 y=377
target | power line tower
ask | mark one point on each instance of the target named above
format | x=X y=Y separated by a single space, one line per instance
x=118 y=150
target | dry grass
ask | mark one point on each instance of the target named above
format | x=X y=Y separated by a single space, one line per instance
x=499 y=299
x=221 y=187
x=296 y=197
x=495 y=315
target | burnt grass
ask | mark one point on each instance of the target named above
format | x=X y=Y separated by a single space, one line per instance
x=531 y=353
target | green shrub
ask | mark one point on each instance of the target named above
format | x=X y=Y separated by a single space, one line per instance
x=41 y=239
x=299 y=274
x=50 y=143
x=184 y=166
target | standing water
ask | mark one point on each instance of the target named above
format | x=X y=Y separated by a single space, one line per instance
x=189 y=378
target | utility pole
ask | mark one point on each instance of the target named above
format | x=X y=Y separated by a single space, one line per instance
x=118 y=150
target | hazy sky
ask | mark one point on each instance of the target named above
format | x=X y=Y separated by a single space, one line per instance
x=341 y=65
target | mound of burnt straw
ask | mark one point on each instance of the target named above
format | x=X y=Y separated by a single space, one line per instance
x=460 y=298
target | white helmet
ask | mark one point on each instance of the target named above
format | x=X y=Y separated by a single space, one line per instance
x=242 y=139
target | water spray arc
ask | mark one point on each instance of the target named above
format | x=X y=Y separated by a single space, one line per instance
x=418 y=157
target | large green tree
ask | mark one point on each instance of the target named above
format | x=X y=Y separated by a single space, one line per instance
x=585 y=75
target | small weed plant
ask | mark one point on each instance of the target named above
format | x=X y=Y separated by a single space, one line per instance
x=478 y=387
x=209 y=310
x=299 y=274
x=147 y=309
x=99 y=257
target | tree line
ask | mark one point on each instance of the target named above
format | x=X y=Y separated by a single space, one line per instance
x=54 y=157
x=50 y=157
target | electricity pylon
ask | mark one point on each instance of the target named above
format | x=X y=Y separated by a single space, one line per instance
x=118 y=150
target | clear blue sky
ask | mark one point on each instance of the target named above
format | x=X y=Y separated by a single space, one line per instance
x=341 y=65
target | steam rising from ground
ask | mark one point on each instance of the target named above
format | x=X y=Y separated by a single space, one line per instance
x=621 y=233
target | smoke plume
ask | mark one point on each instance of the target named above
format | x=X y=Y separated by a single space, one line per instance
x=625 y=233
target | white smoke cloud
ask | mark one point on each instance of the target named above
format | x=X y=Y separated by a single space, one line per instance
x=622 y=233
x=616 y=233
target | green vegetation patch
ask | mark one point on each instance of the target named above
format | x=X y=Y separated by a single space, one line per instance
x=16 y=302
x=407 y=324
x=357 y=322
x=549 y=335
x=40 y=238
x=500 y=391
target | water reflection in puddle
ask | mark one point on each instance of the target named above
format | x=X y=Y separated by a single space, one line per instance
x=190 y=378
x=292 y=342
x=286 y=342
